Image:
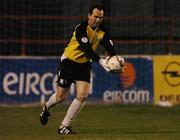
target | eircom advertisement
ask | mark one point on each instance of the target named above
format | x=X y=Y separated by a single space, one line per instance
x=24 y=80
x=167 y=79
x=27 y=80
x=135 y=85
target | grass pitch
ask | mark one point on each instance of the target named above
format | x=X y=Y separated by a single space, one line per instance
x=95 y=122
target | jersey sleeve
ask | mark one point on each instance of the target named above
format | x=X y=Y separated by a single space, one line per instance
x=84 y=45
x=107 y=43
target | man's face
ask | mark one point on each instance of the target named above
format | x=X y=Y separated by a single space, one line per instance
x=95 y=18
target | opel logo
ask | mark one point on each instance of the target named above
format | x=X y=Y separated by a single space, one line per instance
x=172 y=74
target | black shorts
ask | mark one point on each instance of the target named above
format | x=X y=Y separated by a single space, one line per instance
x=70 y=71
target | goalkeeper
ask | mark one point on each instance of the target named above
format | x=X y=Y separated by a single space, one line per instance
x=75 y=66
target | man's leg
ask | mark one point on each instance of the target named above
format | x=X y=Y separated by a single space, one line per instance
x=55 y=98
x=82 y=89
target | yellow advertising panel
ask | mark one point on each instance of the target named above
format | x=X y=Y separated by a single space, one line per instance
x=166 y=79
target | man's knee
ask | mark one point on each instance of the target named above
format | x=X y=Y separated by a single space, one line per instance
x=81 y=98
x=61 y=94
x=60 y=97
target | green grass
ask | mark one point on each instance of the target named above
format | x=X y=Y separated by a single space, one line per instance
x=95 y=122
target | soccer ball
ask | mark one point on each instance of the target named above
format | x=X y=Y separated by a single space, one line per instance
x=116 y=63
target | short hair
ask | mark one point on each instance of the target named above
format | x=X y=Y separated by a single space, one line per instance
x=99 y=7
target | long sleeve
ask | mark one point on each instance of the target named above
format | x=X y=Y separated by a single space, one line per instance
x=85 y=46
x=107 y=43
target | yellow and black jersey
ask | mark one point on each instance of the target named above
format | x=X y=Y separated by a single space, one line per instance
x=85 y=41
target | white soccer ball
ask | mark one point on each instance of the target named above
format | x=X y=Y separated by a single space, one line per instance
x=116 y=63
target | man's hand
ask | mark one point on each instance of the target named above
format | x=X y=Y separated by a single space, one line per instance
x=103 y=63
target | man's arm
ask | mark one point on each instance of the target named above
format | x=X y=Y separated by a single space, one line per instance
x=84 y=44
x=107 y=43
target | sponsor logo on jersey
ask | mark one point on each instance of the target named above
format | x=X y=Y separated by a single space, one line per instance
x=84 y=39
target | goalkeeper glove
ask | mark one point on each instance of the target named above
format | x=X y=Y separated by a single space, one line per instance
x=103 y=63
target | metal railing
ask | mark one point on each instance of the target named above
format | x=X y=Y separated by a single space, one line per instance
x=170 y=41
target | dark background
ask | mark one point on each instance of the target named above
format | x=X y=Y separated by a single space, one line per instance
x=43 y=27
